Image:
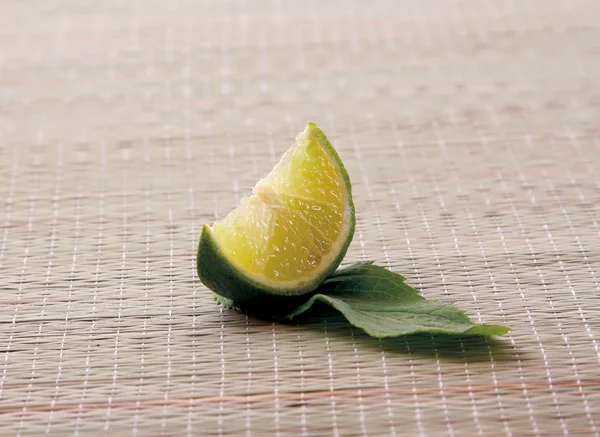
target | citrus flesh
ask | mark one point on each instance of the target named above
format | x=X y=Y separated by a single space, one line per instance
x=290 y=234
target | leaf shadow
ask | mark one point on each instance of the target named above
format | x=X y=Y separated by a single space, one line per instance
x=449 y=347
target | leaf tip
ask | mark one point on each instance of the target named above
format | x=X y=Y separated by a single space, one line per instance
x=488 y=330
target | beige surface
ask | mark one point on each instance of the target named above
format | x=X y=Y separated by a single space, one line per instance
x=471 y=131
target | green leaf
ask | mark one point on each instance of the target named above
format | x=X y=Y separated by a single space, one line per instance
x=224 y=302
x=383 y=305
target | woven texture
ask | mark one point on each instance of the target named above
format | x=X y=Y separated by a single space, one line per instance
x=471 y=132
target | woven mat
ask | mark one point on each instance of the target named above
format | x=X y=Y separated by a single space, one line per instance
x=471 y=132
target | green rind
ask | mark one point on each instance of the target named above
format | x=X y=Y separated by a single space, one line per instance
x=227 y=280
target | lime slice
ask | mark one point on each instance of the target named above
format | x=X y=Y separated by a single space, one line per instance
x=289 y=235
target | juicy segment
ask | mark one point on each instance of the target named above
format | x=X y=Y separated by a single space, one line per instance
x=295 y=222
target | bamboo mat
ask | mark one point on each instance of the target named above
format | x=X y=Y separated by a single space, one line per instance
x=471 y=132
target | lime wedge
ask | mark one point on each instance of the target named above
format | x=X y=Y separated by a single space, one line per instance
x=290 y=234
